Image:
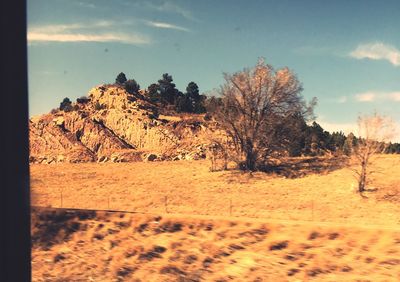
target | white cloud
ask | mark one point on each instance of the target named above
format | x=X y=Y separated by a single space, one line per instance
x=165 y=25
x=394 y=96
x=366 y=97
x=377 y=51
x=79 y=37
x=372 y=96
x=53 y=28
x=80 y=32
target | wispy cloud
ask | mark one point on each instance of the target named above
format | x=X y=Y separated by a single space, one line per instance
x=166 y=25
x=167 y=6
x=377 y=51
x=86 y=4
x=366 y=97
x=79 y=37
x=372 y=96
x=54 y=28
x=84 y=32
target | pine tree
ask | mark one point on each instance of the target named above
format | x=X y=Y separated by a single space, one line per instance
x=131 y=86
x=183 y=104
x=66 y=105
x=154 y=93
x=195 y=99
x=167 y=89
x=121 y=78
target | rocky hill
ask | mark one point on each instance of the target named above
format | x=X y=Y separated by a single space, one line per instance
x=111 y=124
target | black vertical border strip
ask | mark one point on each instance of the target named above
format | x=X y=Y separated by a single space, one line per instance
x=15 y=201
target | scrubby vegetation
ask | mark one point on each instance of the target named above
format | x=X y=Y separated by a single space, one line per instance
x=131 y=86
x=83 y=100
x=66 y=105
x=376 y=131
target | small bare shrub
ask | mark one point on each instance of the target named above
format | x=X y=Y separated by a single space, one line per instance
x=375 y=131
x=217 y=152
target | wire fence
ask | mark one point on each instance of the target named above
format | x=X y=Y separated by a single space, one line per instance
x=251 y=206
x=212 y=205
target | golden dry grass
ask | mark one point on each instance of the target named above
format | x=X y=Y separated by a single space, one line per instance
x=86 y=246
x=191 y=188
x=313 y=228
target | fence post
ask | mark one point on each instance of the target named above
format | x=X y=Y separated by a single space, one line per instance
x=312 y=210
x=166 y=204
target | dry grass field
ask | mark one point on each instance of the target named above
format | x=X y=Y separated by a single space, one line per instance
x=214 y=226
x=90 y=246
x=326 y=194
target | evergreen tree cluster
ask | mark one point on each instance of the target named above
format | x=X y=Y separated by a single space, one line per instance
x=165 y=93
x=308 y=140
x=313 y=140
x=393 y=148
x=66 y=105
x=131 y=86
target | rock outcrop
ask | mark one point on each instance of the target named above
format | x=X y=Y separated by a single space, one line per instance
x=114 y=125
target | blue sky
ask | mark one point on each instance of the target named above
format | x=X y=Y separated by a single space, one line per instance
x=346 y=53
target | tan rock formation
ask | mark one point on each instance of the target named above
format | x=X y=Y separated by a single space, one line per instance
x=113 y=125
x=49 y=142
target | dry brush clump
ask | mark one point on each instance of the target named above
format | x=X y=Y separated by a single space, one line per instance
x=375 y=132
x=219 y=150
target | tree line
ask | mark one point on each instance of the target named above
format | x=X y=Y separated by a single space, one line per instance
x=297 y=138
x=261 y=109
x=165 y=93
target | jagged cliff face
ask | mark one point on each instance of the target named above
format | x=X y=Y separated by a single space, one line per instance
x=114 y=125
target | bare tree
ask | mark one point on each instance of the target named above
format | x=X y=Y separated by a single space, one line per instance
x=255 y=103
x=375 y=131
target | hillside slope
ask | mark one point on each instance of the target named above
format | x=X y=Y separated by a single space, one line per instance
x=114 y=125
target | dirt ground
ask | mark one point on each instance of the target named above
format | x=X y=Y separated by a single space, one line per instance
x=323 y=193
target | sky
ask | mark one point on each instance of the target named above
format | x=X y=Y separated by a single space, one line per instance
x=345 y=53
